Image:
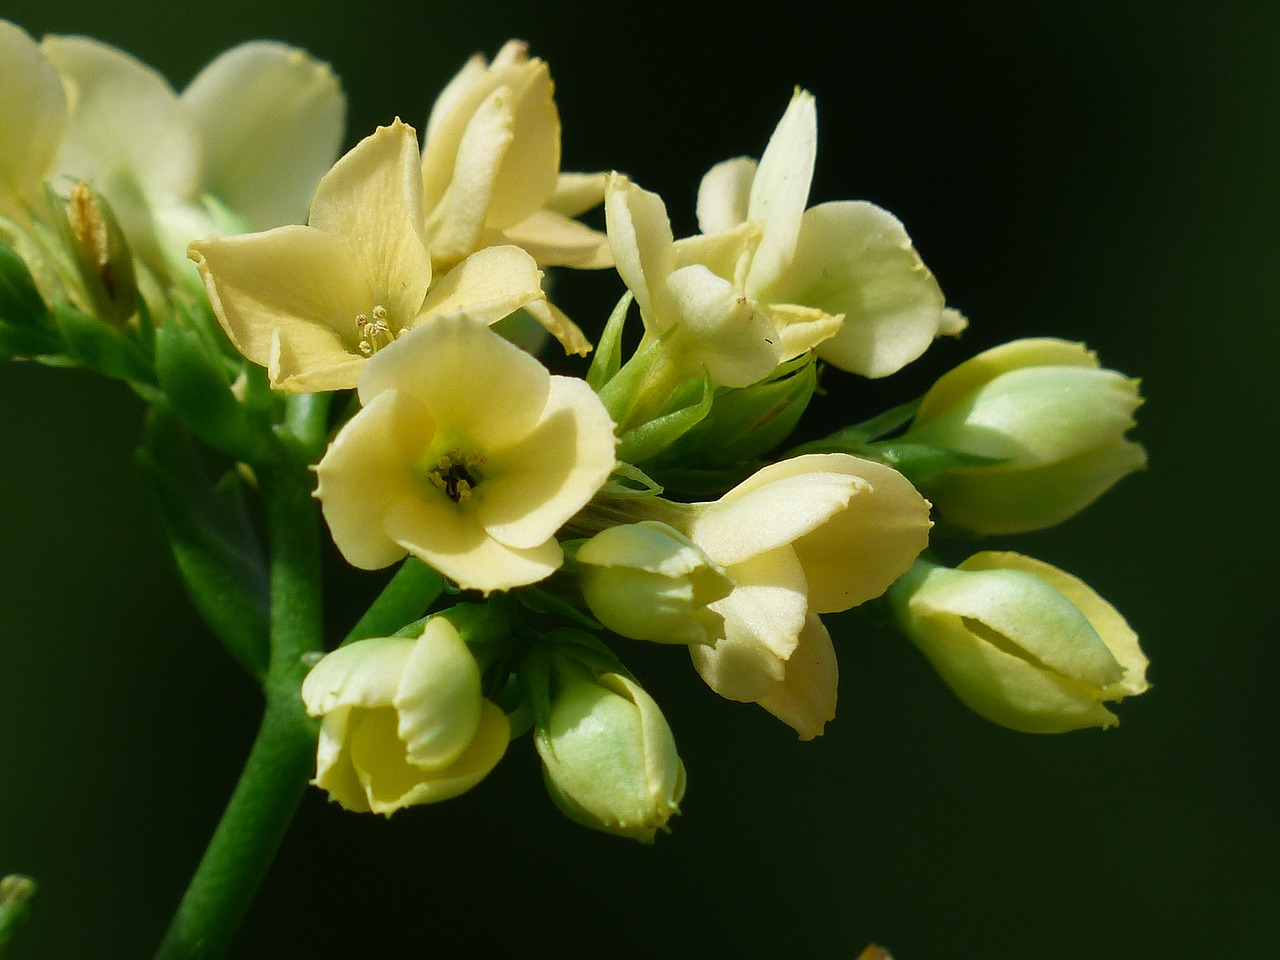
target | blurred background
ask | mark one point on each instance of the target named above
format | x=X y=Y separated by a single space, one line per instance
x=1106 y=171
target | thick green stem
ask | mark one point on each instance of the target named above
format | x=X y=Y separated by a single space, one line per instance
x=283 y=755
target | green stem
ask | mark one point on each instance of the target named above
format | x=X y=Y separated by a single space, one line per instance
x=283 y=755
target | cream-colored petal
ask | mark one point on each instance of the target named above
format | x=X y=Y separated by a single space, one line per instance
x=763 y=617
x=854 y=258
x=128 y=134
x=529 y=172
x=372 y=200
x=802 y=328
x=307 y=358
x=271 y=122
x=780 y=189
x=483 y=391
x=449 y=116
x=724 y=194
x=554 y=322
x=450 y=538
x=805 y=700
x=726 y=254
x=32 y=122
x=556 y=241
x=334 y=771
x=641 y=240
x=856 y=555
x=969 y=377
x=770 y=513
x=264 y=285
x=721 y=329
x=438 y=698
x=361 y=674
x=576 y=193
x=457 y=224
x=532 y=487
x=487 y=286
x=370 y=467
x=1102 y=616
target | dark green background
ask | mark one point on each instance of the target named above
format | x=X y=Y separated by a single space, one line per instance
x=1107 y=171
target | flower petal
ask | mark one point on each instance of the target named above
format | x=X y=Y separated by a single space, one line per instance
x=296 y=286
x=361 y=674
x=856 y=259
x=271 y=121
x=720 y=328
x=33 y=121
x=372 y=200
x=724 y=195
x=438 y=699
x=487 y=286
x=805 y=700
x=576 y=193
x=641 y=240
x=780 y=189
x=537 y=484
x=369 y=467
x=556 y=241
x=483 y=389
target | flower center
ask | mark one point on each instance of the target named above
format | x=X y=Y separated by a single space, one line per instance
x=375 y=331
x=457 y=474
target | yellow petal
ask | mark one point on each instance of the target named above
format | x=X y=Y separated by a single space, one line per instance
x=805 y=700
x=369 y=467
x=802 y=328
x=487 y=286
x=287 y=298
x=576 y=193
x=780 y=189
x=372 y=200
x=438 y=698
x=724 y=193
x=554 y=321
x=537 y=484
x=641 y=240
x=557 y=241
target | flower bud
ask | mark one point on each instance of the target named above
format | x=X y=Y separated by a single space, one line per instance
x=608 y=757
x=1052 y=418
x=647 y=581
x=404 y=721
x=1021 y=642
x=102 y=256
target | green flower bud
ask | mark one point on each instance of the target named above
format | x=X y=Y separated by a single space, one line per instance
x=102 y=255
x=647 y=581
x=608 y=757
x=1048 y=413
x=1021 y=642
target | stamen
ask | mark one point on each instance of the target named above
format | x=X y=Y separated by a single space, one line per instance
x=457 y=474
x=374 y=332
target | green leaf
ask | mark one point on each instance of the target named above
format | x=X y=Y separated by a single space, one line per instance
x=540 y=601
x=919 y=460
x=608 y=356
x=102 y=348
x=20 y=302
x=16 y=892
x=200 y=392
x=212 y=540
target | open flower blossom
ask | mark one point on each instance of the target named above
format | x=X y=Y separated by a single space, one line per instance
x=815 y=534
x=1023 y=643
x=404 y=720
x=845 y=259
x=692 y=292
x=254 y=130
x=1050 y=414
x=491 y=168
x=467 y=454
x=313 y=303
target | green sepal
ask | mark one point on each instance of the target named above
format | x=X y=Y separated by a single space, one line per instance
x=100 y=347
x=534 y=673
x=688 y=405
x=746 y=422
x=212 y=539
x=608 y=356
x=623 y=391
x=586 y=650
x=540 y=601
x=405 y=598
x=20 y=302
x=200 y=391
x=917 y=461
x=480 y=624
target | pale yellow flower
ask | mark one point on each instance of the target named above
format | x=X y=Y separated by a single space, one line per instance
x=468 y=454
x=815 y=534
x=254 y=130
x=404 y=721
x=313 y=303
x=491 y=168
x=847 y=259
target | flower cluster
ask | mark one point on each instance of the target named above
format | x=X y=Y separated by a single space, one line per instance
x=652 y=499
